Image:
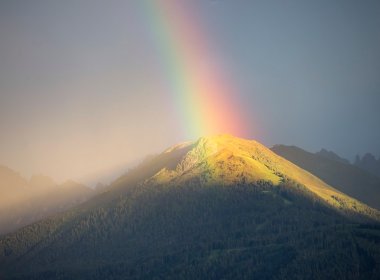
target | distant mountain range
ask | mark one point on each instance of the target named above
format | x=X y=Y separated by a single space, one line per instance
x=336 y=172
x=368 y=162
x=217 y=208
x=23 y=202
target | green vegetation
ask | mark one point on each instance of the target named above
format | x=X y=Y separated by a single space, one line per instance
x=182 y=220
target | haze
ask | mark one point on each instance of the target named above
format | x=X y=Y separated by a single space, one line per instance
x=81 y=90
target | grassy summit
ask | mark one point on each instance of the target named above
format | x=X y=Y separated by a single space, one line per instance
x=227 y=160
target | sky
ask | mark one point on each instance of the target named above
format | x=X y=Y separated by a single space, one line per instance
x=88 y=87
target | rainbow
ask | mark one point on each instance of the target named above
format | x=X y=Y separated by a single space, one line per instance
x=203 y=94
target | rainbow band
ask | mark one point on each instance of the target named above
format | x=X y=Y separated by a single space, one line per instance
x=202 y=95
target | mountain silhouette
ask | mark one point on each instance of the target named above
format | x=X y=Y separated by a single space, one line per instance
x=331 y=155
x=23 y=202
x=217 y=208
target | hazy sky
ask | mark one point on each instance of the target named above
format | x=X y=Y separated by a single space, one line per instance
x=81 y=89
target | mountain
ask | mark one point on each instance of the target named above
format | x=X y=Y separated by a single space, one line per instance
x=369 y=163
x=10 y=178
x=41 y=182
x=23 y=202
x=217 y=208
x=344 y=177
x=12 y=186
x=331 y=155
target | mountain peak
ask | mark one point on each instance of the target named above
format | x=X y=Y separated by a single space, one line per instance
x=226 y=160
x=220 y=159
x=10 y=179
x=332 y=156
x=41 y=181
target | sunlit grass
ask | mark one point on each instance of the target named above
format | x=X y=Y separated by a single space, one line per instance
x=227 y=160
